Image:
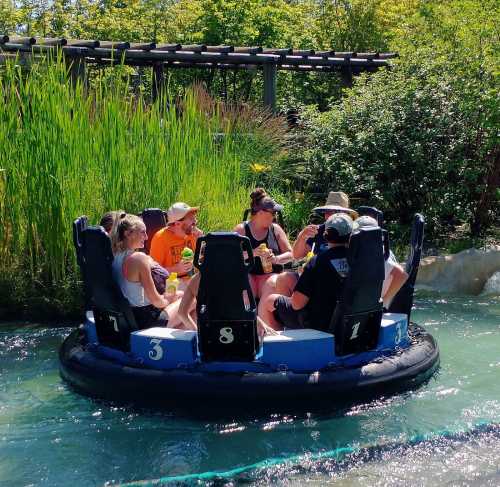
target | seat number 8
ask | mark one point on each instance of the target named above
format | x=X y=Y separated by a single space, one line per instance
x=226 y=335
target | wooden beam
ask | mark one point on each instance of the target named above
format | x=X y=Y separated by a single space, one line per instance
x=324 y=53
x=278 y=52
x=83 y=43
x=303 y=52
x=133 y=57
x=193 y=47
x=141 y=46
x=168 y=47
x=270 y=86
x=248 y=50
x=114 y=45
x=25 y=41
x=49 y=41
x=221 y=49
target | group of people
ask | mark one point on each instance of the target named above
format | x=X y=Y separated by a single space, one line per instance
x=287 y=299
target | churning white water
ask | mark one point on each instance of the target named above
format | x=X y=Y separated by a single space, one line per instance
x=492 y=286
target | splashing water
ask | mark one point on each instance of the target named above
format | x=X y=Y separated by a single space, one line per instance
x=447 y=431
x=492 y=286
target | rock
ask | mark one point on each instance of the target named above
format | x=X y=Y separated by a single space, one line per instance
x=462 y=273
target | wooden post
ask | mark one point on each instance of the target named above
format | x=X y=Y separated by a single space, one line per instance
x=346 y=75
x=77 y=70
x=270 y=86
x=158 y=80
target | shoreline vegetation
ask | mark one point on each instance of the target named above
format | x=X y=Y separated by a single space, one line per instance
x=419 y=137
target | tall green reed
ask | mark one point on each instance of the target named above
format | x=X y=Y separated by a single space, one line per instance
x=68 y=151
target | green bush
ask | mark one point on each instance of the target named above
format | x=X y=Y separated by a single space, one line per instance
x=401 y=140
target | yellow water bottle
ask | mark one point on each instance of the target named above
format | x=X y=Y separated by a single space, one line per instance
x=307 y=258
x=267 y=265
x=171 y=284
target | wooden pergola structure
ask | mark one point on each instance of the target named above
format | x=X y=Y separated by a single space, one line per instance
x=160 y=57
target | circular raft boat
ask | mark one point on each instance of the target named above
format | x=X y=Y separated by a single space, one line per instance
x=364 y=352
x=104 y=372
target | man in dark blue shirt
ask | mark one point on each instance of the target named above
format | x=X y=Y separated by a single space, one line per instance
x=318 y=289
x=311 y=238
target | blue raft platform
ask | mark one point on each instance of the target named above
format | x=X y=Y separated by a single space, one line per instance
x=163 y=366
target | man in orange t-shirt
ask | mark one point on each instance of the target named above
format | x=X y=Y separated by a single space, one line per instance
x=181 y=231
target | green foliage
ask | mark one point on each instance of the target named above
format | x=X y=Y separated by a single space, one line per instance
x=354 y=25
x=404 y=141
x=66 y=152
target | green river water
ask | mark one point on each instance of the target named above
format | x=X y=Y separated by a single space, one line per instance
x=445 y=433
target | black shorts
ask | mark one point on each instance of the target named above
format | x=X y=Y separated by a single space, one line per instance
x=287 y=316
x=148 y=316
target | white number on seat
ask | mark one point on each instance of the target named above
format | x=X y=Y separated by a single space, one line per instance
x=355 y=329
x=226 y=335
x=399 y=333
x=157 y=352
x=115 y=323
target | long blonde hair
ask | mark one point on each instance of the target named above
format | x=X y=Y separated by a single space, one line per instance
x=118 y=238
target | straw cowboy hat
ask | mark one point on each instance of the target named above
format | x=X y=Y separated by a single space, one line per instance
x=337 y=201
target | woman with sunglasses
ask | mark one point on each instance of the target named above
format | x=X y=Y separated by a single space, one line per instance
x=132 y=272
x=261 y=229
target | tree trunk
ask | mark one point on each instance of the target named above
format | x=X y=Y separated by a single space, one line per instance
x=480 y=219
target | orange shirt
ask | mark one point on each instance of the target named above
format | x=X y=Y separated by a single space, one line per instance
x=166 y=247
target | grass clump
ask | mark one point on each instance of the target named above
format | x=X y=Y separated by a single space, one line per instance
x=68 y=151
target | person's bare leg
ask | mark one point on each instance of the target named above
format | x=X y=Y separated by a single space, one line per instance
x=267 y=287
x=285 y=283
x=267 y=311
x=254 y=285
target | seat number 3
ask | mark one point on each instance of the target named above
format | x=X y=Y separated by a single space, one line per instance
x=157 y=352
x=226 y=335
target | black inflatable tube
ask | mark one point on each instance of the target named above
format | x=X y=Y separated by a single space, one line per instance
x=104 y=378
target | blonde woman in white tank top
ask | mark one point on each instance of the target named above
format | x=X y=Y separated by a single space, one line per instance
x=132 y=272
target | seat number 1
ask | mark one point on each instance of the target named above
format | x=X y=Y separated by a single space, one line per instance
x=355 y=329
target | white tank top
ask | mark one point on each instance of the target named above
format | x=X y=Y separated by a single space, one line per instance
x=133 y=291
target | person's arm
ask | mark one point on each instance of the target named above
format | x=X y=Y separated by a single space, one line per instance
x=304 y=287
x=301 y=247
x=284 y=246
x=239 y=229
x=187 y=302
x=181 y=268
x=197 y=233
x=398 y=278
x=157 y=249
x=143 y=266
x=299 y=300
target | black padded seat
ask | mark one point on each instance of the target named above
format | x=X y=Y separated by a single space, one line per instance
x=113 y=316
x=379 y=216
x=79 y=226
x=227 y=314
x=403 y=301
x=373 y=212
x=154 y=219
x=358 y=314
